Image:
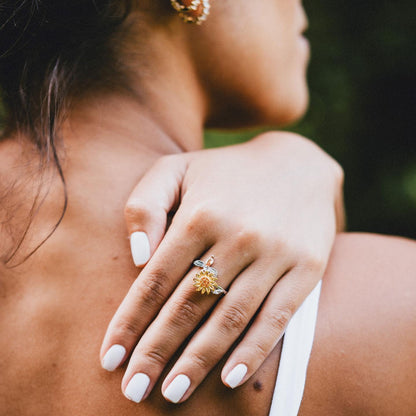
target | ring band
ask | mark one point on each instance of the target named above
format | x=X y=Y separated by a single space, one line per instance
x=205 y=280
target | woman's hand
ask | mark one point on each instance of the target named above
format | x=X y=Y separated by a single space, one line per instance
x=268 y=211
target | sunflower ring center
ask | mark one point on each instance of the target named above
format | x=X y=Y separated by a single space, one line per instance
x=205 y=281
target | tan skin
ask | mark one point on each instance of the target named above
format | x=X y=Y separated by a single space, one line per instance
x=295 y=219
x=55 y=309
x=56 y=306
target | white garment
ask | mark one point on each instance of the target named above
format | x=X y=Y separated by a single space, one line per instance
x=294 y=359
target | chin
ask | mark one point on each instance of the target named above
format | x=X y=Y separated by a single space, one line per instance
x=291 y=114
x=282 y=113
x=266 y=110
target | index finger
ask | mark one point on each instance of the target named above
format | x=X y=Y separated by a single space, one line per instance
x=146 y=211
x=150 y=291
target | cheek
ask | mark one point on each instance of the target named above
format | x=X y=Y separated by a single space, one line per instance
x=286 y=82
x=258 y=62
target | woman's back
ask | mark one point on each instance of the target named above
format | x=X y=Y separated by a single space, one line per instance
x=56 y=305
x=102 y=89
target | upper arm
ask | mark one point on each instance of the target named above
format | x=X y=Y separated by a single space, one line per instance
x=364 y=355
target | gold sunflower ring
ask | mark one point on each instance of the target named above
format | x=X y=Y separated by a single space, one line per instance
x=205 y=280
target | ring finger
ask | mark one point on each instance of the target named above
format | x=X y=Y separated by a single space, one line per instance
x=226 y=323
x=177 y=319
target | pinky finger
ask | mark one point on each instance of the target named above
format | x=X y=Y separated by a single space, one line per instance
x=268 y=327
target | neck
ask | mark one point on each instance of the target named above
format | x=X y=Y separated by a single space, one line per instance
x=165 y=108
x=111 y=140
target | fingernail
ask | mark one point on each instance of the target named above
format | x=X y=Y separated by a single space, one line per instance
x=140 y=248
x=113 y=357
x=177 y=388
x=137 y=387
x=236 y=375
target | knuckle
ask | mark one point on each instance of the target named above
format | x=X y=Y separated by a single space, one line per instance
x=280 y=245
x=234 y=319
x=247 y=238
x=203 y=361
x=126 y=328
x=281 y=317
x=260 y=351
x=202 y=219
x=191 y=228
x=184 y=311
x=313 y=263
x=152 y=288
x=136 y=210
x=155 y=356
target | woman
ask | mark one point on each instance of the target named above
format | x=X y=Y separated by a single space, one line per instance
x=58 y=301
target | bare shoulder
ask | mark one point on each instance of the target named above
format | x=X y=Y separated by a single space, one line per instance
x=364 y=356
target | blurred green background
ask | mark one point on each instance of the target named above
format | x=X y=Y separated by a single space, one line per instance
x=363 y=99
x=362 y=79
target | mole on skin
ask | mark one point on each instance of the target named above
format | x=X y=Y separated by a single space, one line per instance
x=258 y=386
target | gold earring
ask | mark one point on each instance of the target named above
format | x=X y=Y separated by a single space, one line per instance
x=187 y=13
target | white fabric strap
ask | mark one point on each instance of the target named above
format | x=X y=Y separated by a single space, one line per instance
x=294 y=359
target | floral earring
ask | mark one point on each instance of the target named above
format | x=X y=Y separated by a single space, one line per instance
x=197 y=11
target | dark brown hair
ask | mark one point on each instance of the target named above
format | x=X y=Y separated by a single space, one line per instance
x=50 y=52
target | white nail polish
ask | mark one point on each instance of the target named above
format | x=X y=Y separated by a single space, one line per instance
x=236 y=375
x=113 y=357
x=140 y=248
x=137 y=387
x=177 y=388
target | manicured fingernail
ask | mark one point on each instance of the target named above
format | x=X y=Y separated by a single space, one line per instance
x=113 y=357
x=137 y=387
x=236 y=375
x=140 y=248
x=177 y=388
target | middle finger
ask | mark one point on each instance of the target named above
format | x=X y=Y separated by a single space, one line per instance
x=227 y=322
x=177 y=319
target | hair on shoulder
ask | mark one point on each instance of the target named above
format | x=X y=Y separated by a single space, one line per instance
x=52 y=51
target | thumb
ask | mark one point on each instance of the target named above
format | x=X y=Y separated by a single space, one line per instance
x=148 y=206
